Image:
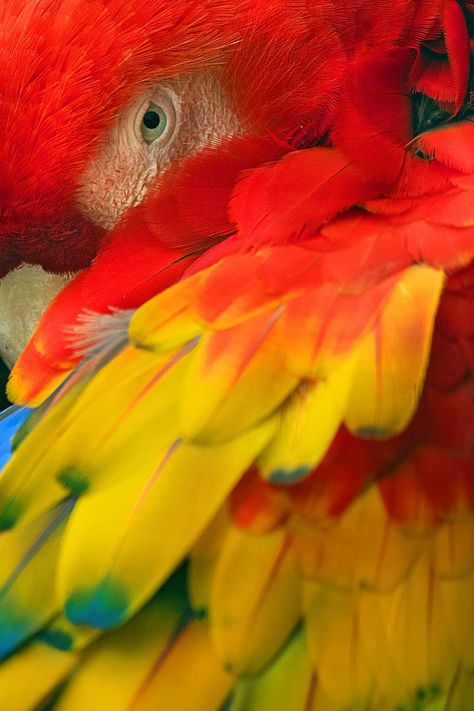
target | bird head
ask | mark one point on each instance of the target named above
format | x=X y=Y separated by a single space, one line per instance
x=96 y=98
x=109 y=105
x=101 y=98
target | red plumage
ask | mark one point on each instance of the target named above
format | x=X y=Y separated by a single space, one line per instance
x=377 y=59
x=359 y=219
x=287 y=246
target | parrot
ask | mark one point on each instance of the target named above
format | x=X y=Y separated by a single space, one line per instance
x=239 y=474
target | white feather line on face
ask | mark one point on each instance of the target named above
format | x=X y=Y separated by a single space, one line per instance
x=116 y=180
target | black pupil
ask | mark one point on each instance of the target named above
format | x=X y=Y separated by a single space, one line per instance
x=151 y=119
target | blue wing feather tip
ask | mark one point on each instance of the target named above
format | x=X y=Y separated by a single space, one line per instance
x=289 y=476
x=56 y=638
x=102 y=607
x=11 y=420
x=14 y=630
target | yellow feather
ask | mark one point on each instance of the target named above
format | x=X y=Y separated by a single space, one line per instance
x=29 y=676
x=453 y=547
x=307 y=427
x=457 y=596
x=27 y=565
x=203 y=559
x=107 y=551
x=462 y=694
x=24 y=494
x=420 y=639
x=336 y=646
x=255 y=600
x=361 y=549
x=113 y=415
x=392 y=358
x=380 y=649
x=168 y=320
x=236 y=378
x=189 y=677
x=118 y=666
x=289 y=683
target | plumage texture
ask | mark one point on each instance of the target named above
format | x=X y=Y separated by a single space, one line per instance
x=266 y=458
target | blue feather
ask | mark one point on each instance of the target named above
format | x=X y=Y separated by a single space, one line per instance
x=11 y=420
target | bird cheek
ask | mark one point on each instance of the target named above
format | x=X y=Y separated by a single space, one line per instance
x=111 y=185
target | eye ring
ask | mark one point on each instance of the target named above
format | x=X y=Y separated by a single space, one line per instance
x=154 y=123
x=157 y=117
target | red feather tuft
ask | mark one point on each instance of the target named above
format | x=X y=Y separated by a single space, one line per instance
x=188 y=207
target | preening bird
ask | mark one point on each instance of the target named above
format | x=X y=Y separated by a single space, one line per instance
x=247 y=479
x=100 y=133
x=166 y=122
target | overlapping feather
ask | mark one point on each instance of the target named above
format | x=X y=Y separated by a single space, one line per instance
x=327 y=570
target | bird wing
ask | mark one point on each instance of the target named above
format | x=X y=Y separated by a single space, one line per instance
x=263 y=474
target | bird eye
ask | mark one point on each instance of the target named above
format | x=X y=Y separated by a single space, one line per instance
x=154 y=123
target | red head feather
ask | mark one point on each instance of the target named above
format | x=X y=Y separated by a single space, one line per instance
x=66 y=68
x=294 y=71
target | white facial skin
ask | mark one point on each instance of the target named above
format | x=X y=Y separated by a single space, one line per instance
x=167 y=122
x=194 y=113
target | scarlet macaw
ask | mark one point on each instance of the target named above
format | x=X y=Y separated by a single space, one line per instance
x=254 y=486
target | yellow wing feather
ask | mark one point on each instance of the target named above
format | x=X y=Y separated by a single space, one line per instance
x=150 y=448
